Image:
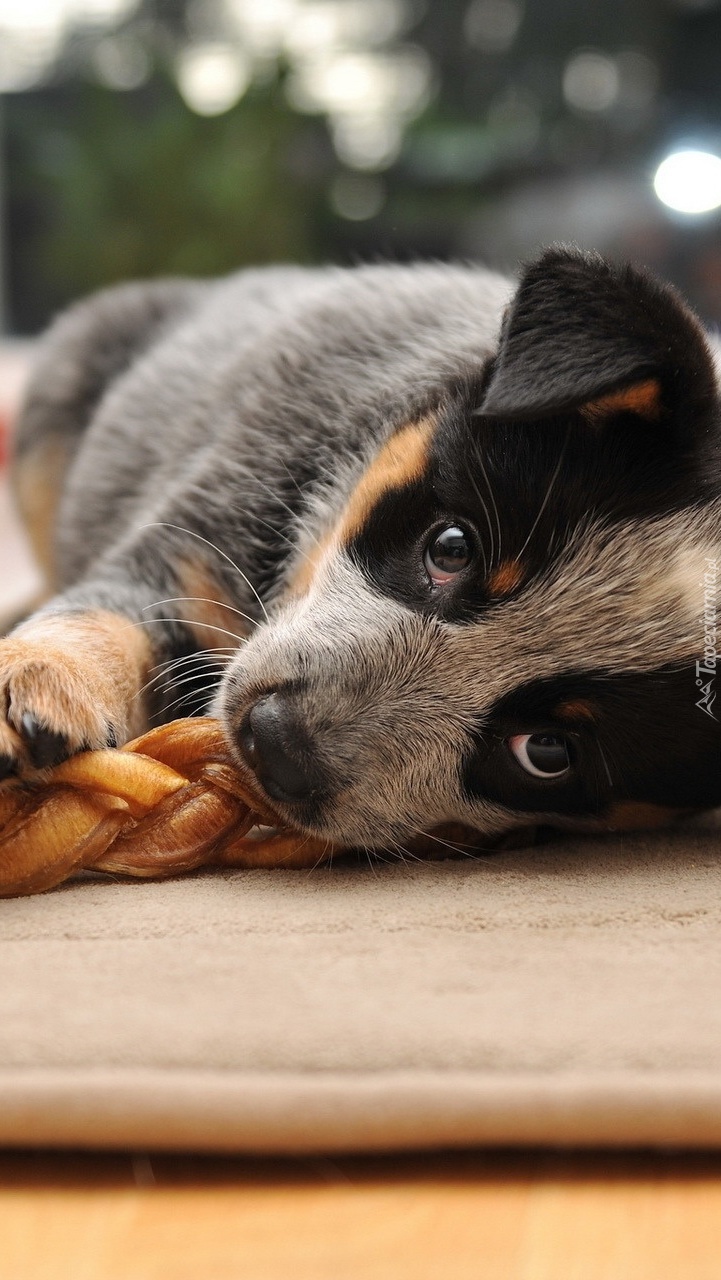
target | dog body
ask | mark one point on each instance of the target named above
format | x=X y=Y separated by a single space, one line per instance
x=437 y=546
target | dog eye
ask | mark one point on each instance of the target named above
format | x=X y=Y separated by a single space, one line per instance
x=448 y=552
x=545 y=755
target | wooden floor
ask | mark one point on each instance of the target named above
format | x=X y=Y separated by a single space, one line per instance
x=450 y=1217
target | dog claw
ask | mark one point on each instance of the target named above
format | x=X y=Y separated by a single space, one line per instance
x=44 y=747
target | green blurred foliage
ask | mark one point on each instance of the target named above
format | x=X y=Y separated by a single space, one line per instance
x=109 y=186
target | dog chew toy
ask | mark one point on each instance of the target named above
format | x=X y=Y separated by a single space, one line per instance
x=170 y=801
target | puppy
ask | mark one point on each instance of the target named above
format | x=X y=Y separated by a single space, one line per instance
x=436 y=546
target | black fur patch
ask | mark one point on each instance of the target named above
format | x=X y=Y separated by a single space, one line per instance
x=648 y=743
x=579 y=328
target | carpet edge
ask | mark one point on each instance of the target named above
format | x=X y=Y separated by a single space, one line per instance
x=293 y=1113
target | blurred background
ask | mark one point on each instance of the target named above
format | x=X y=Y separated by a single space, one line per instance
x=147 y=137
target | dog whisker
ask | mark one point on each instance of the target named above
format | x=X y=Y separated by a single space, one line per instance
x=404 y=853
x=195 y=675
x=487 y=562
x=549 y=490
x=209 y=626
x=321 y=857
x=186 y=697
x=484 y=473
x=201 y=666
x=602 y=754
x=168 y=664
x=201 y=600
x=297 y=850
x=465 y=850
x=371 y=858
x=165 y=524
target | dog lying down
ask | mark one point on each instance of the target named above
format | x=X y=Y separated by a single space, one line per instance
x=437 y=547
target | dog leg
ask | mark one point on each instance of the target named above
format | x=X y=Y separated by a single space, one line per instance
x=96 y=666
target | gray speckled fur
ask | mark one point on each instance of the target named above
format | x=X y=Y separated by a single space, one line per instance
x=231 y=385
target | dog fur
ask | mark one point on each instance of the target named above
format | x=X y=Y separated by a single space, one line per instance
x=237 y=490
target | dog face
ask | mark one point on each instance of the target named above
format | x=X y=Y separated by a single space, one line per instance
x=511 y=616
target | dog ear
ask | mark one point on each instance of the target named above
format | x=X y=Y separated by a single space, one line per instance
x=583 y=335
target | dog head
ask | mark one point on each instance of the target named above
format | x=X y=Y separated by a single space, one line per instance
x=512 y=619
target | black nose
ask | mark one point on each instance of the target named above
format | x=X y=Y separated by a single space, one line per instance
x=277 y=748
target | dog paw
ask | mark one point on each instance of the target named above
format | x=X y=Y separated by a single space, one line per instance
x=51 y=708
x=66 y=685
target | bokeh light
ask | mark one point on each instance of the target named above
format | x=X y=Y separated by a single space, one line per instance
x=492 y=25
x=212 y=77
x=689 y=181
x=591 y=81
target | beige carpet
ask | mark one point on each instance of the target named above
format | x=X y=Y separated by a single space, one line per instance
x=568 y=994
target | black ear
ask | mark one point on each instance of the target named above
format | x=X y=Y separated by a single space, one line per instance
x=582 y=334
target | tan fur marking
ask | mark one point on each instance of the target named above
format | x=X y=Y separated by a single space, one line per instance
x=38 y=480
x=402 y=459
x=208 y=614
x=307 y=568
x=505 y=578
x=576 y=709
x=643 y=398
x=77 y=674
x=631 y=815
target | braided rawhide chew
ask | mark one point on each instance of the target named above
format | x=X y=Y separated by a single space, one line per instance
x=170 y=801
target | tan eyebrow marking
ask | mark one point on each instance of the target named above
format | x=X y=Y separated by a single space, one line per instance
x=504 y=579
x=401 y=460
x=643 y=398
